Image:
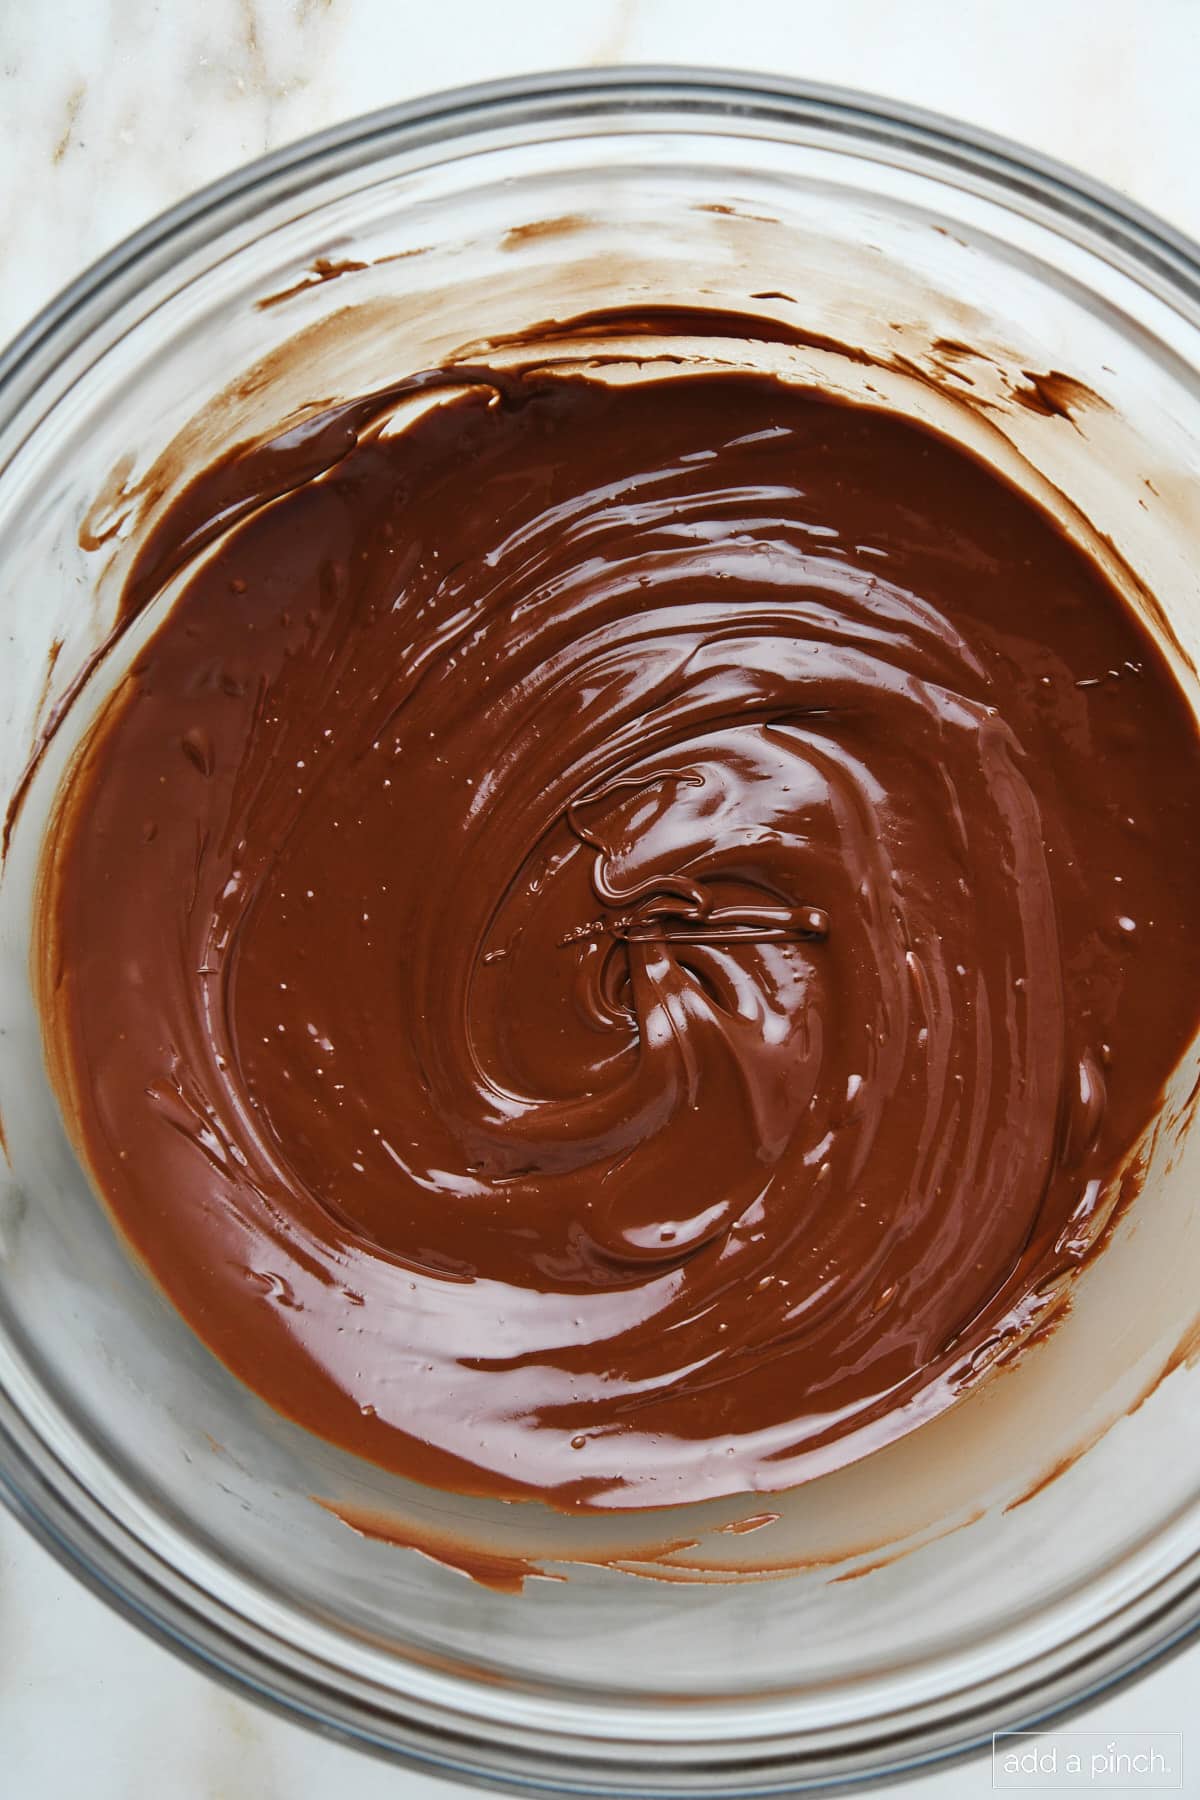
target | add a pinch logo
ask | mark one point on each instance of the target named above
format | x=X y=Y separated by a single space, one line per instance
x=1097 y=1762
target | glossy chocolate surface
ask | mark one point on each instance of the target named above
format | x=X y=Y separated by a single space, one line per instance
x=614 y=941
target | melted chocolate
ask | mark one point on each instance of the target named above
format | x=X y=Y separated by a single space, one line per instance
x=614 y=941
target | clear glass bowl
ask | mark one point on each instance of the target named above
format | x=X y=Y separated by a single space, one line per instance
x=123 y=1444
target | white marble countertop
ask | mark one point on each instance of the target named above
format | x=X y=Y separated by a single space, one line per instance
x=111 y=110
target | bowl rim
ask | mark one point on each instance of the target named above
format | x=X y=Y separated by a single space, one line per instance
x=39 y=1489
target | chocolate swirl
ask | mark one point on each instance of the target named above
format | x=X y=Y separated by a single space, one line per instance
x=598 y=930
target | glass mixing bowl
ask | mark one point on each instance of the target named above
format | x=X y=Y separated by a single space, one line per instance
x=983 y=1596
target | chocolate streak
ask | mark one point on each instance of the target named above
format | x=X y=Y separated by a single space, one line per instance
x=612 y=942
